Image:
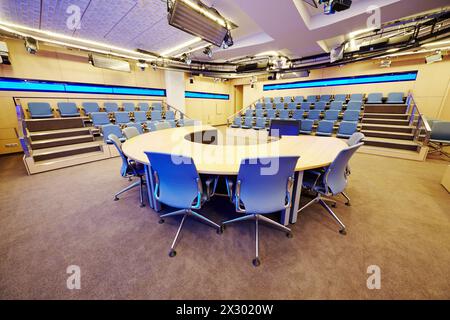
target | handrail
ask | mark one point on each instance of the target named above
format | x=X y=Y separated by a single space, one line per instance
x=240 y=111
x=176 y=110
x=422 y=123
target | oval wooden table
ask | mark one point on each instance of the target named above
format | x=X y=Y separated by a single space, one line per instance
x=220 y=152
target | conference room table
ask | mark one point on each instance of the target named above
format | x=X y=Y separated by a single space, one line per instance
x=220 y=152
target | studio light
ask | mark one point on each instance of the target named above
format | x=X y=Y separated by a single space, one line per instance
x=31 y=45
x=385 y=63
x=142 y=64
x=333 y=6
x=186 y=57
x=208 y=52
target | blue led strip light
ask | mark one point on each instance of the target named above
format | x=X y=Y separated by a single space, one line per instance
x=204 y=95
x=345 y=81
x=13 y=84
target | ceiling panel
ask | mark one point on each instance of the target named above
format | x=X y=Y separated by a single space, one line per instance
x=24 y=12
x=55 y=16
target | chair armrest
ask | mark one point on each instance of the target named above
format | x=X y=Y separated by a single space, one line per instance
x=318 y=174
x=289 y=185
x=237 y=201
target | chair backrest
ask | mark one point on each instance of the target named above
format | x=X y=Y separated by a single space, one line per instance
x=68 y=108
x=188 y=122
x=355 y=138
x=140 y=116
x=314 y=115
x=177 y=179
x=395 y=97
x=298 y=99
x=331 y=115
x=356 y=97
x=305 y=106
x=111 y=129
x=162 y=125
x=131 y=131
x=260 y=122
x=267 y=100
x=90 y=107
x=99 y=118
x=277 y=100
x=307 y=125
x=287 y=99
x=292 y=106
x=260 y=113
x=351 y=115
x=335 y=176
x=325 y=97
x=440 y=131
x=157 y=106
x=336 y=105
x=271 y=113
x=284 y=114
x=248 y=121
x=298 y=114
x=121 y=117
x=320 y=105
x=279 y=106
x=156 y=115
x=128 y=106
x=268 y=105
x=237 y=121
x=40 y=109
x=111 y=106
x=376 y=97
x=354 y=105
x=249 y=113
x=311 y=98
x=325 y=126
x=258 y=105
x=347 y=128
x=143 y=106
x=263 y=183
x=169 y=115
x=125 y=168
x=341 y=97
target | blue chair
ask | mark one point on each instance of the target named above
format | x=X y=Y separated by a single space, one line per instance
x=271 y=113
x=140 y=116
x=128 y=170
x=236 y=122
x=355 y=138
x=268 y=105
x=279 y=106
x=292 y=106
x=311 y=99
x=330 y=182
x=306 y=106
x=111 y=107
x=129 y=132
x=331 y=115
x=121 y=117
x=68 y=109
x=314 y=115
x=325 y=128
x=354 y=106
x=260 y=124
x=320 y=106
x=346 y=129
x=298 y=114
x=287 y=99
x=351 y=115
x=157 y=106
x=298 y=99
x=99 y=118
x=306 y=126
x=341 y=97
x=178 y=185
x=40 y=110
x=336 y=105
x=249 y=113
x=277 y=100
x=248 y=123
x=169 y=115
x=395 y=97
x=259 y=113
x=89 y=107
x=267 y=100
x=375 y=98
x=260 y=190
x=143 y=106
x=156 y=115
x=325 y=97
x=440 y=137
x=128 y=106
x=284 y=114
x=357 y=97
x=114 y=129
x=259 y=105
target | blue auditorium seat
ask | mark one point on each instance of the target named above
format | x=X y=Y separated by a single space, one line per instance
x=112 y=129
x=279 y=106
x=249 y=113
x=268 y=105
x=258 y=105
x=351 y=115
x=143 y=106
x=376 y=97
x=298 y=114
x=259 y=113
x=121 y=117
x=320 y=105
x=111 y=107
x=156 y=115
x=292 y=106
x=271 y=113
x=395 y=97
x=277 y=100
x=284 y=114
x=267 y=100
x=248 y=123
x=331 y=115
x=306 y=106
x=134 y=125
x=336 y=105
x=169 y=115
x=356 y=97
x=128 y=106
x=346 y=129
x=340 y=97
x=325 y=128
x=298 y=99
x=325 y=97
x=287 y=99
x=260 y=124
x=354 y=106
x=157 y=106
x=311 y=99
x=39 y=110
x=68 y=109
x=140 y=116
x=314 y=115
x=99 y=118
x=90 y=107
x=236 y=122
x=306 y=126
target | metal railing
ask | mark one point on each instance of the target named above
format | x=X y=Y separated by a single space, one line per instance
x=231 y=118
x=422 y=129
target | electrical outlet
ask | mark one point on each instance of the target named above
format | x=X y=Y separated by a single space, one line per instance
x=11 y=145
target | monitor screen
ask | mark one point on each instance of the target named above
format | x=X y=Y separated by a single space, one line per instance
x=284 y=127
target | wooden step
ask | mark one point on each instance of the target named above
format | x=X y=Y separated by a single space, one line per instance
x=56 y=142
x=65 y=151
x=388 y=135
x=385 y=108
x=399 y=116
x=401 y=122
x=53 y=134
x=34 y=125
x=392 y=143
x=387 y=127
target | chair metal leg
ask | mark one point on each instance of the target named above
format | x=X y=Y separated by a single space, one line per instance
x=141 y=191
x=203 y=218
x=309 y=203
x=346 y=197
x=131 y=186
x=333 y=202
x=174 y=213
x=243 y=218
x=256 y=262
x=335 y=217
x=172 y=251
x=275 y=224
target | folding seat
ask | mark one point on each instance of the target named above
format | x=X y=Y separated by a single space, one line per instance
x=292 y=106
x=156 y=115
x=277 y=100
x=259 y=113
x=39 y=110
x=354 y=106
x=89 y=107
x=395 y=97
x=306 y=126
x=314 y=115
x=325 y=97
x=99 y=119
x=271 y=113
x=108 y=129
x=375 y=98
x=258 y=105
x=306 y=106
x=248 y=123
x=336 y=105
x=249 y=113
x=68 y=109
x=331 y=115
x=140 y=116
x=236 y=122
x=357 y=97
x=133 y=125
x=298 y=115
x=121 y=117
x=346 y=129
x=143 y=106
x=311 y=99
x=260 y=124
x=279 y=106
x=111 y=107
x=320 y=106
x=287 y=99
x=157 y=106
x=128 y=106
x=340 y=97
x=169 y=115
x=351 y=115
x=325 y=128
x=298 y=99
x=284 y=114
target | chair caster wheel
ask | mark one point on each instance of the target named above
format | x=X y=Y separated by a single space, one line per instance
x=343 y=232
x=142 y=205
x=116 y=199
x=256 y=262
x=289 y=235
x=348 y=204
x=172 y=253
x=220 y=230
x=334 y=205
x=161 y=221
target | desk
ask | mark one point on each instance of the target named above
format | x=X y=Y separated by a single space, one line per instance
x=223 y=157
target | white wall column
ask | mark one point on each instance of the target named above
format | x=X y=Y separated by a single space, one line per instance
x=175 y=87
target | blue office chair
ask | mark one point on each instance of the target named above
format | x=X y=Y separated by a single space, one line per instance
x=336 y=105
x=306 y=126
x=355 y=138
x=89 y=107
x=156 y=115
x=236 y=122
x=263 y=186
x=325 y=128
x=314 y=115
x=305 y=106
x=111 y=107
x=325 y=97
x=40 y=110
x=287 y=99
x=354 y=106
x=99 y=118
x=292 y=106
x=128 y=106
x=330 y=182
x=132 y=129
x=375 y=98
x=271 y=114
x=311 y=99
x=128 y=170
x=346 y=129
x=277 y=100
x=341 y=97
x=109 y=129
x=298 y=99
x=68 y=109
x=121 y=117
x=320 y=105
x=357 y=97
x=284 y=114
x=143 y=106
x=140 y=116
x=331 y=115
x=248 y=123
x=298 y=114
x=395 y=97
x=260 y=124
x=178 y=185
x=157 y=106
x=440 y=137
x=351 y=115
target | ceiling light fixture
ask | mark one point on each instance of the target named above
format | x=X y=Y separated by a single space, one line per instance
x=208 y=52
x=186 y=57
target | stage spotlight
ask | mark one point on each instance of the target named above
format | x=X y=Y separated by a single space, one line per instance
x=186 y=57
x=208 y=52
x=142 y=65
x=31 y=45
x=331 y=6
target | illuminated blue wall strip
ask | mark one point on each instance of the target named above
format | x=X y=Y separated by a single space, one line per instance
x=13 y=84
x=345 y=81
x=204 y=95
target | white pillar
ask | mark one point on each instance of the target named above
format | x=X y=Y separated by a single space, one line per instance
x=175 y=87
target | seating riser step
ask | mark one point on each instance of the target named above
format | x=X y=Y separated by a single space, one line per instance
x=387 y=135
x=390 y=145
x=66 y=153
x=386 y=121
x=395 y=116
x=379 y=108
x=387 y=129
x=57 y=135
x=53 y=124
x=64 y=142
